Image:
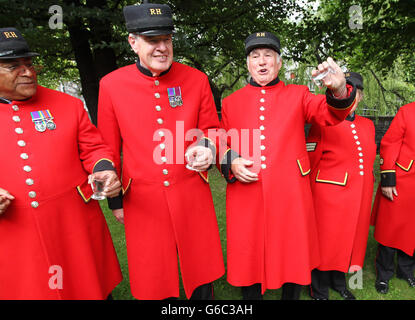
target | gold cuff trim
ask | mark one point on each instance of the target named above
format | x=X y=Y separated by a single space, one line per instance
x=386 y=171
x=204 y=178
x=301 y=169
x=128 y=186
x=82 y=194
x=331 y=181
x=403 y=168
x=224 y=155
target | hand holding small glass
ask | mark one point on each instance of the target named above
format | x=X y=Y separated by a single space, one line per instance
x=98 y=189
x=198 y=158
x=331 y=76
x=104 y=184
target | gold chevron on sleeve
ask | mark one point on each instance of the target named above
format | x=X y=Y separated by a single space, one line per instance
x=403 y=168
x=304 y=173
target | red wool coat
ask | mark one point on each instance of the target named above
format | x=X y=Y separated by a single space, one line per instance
x=341 y=159
x=169 y=212
x=394 y=221
x=53 y=244
x=271 y=230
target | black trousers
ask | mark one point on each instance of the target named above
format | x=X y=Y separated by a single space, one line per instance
x=385 y=264
x=290 y=291
x=321 y=281
x=203 y=292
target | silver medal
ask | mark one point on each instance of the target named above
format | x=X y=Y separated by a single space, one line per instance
x=40 y=126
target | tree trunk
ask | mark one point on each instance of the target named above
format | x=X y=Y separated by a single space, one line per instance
x=105 y=60
x=92 y=64
x=85 y=64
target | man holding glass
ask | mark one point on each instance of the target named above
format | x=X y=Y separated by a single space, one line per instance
x=271 y=230
x=153 y=110
x=53 y=244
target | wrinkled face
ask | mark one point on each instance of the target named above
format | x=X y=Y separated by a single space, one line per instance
x=17 y=79
x=264 y=64
x=155 y=52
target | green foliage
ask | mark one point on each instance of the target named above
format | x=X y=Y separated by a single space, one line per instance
x=210 y=36
x=382 y=50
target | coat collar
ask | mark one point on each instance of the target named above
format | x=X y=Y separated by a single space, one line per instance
x=272 y=83
x=147 y=72
x=5 y=101
x=351 y=117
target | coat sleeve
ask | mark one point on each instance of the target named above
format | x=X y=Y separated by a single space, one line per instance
x=390 y=147
x=108 y=126
x=327 y=110
x=94 y=154
x=208 y=123
x=225 y=154
x=314 y=145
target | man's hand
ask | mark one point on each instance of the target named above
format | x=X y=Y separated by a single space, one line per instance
x=199 y=157
x=389 y=192
x=5 y=199
x=119 y=215
x=112 y=185
x=241 y=172
x=336 y=81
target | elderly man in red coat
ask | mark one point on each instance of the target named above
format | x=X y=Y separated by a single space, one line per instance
x=271 y=232
x=341 y=160
x=54 y=241
x=153 y=110
x=393 y=210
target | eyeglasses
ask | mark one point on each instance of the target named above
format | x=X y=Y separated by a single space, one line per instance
x=17 y=67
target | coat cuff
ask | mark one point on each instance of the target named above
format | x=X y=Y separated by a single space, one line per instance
x=342 y=103
x=226 y=164
x=103 y=165
x=388 y=178
x=116 y=202
x=207 y=143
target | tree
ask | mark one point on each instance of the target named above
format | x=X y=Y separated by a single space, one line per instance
x=376 y=45
x=209 y=36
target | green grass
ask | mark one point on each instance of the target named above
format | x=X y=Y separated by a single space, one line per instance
x=398 y=289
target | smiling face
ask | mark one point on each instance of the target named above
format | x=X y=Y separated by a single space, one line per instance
x=17 y=79
x=264 y=64
x=155 y=52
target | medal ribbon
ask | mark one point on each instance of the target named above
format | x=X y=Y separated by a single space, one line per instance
x=171 y=92
x=42 y=115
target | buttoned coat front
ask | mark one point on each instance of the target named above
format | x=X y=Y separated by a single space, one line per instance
x=168 y=209
x=271 y=230
x=53 y=244
x=394 y=221
x=341 y=159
